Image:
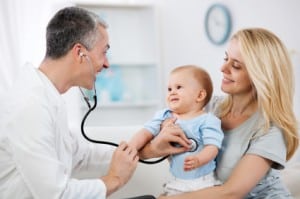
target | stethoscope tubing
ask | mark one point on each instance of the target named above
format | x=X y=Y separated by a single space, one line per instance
x=86 y=99
x=107 y=142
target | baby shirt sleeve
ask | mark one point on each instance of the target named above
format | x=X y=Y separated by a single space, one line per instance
x=153 y=125
x=211 y=131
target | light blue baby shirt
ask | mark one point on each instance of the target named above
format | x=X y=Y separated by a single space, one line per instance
x=205 y=129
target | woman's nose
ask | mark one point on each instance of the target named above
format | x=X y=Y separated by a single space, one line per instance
x=225 y=67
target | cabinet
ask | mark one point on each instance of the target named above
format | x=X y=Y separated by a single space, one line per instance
x=129 y=92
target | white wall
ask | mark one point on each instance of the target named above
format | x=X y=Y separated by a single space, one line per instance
x=181 y=24
x=183 y=38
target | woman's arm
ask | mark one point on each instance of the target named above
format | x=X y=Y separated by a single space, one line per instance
x=243 y=179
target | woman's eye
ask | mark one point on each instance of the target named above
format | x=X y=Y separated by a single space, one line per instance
x=235 y=66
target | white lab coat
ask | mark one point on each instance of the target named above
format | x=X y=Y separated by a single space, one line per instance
x=38 y=153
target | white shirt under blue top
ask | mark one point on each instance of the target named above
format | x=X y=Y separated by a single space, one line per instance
x=205 y=129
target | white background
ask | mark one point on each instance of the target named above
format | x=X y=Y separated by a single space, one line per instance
x=181 y=26
x=182 y=41
x=181 y=30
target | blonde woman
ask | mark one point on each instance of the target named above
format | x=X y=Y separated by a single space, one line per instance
x=260 y=128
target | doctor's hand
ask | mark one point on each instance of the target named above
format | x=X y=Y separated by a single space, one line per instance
x=123 y=164
x=161 y=145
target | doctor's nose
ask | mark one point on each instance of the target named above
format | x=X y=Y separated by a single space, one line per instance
x=106 y=63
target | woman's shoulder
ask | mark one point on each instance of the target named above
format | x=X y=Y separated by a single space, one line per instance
x=214 y=103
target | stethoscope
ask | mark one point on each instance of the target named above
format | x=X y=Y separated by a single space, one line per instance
x=91 y=108
x=194 y=144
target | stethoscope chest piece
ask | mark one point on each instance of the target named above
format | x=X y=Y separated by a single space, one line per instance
x=194 y=145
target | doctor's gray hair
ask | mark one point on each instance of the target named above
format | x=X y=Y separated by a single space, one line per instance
x=69 y=26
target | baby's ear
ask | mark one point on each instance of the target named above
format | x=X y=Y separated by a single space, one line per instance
x=202 y=95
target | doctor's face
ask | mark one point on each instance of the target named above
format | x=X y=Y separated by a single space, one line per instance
x=96 y=58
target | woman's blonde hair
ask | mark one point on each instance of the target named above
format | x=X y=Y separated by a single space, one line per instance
x=270 y=69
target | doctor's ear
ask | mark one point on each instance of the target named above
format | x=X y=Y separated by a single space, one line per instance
x=81 y=54
x=78 y=50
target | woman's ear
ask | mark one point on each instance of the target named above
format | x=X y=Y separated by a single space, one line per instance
x=201 y=96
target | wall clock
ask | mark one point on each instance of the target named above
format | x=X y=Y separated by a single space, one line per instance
x=218 y=23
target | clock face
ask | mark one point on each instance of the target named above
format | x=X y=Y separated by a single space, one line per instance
x=218 y=24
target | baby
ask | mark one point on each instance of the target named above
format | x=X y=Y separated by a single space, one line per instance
x=189 y=90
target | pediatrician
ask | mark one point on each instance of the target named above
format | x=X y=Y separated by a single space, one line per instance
x=38 y=154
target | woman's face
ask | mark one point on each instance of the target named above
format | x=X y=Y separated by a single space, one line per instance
x=236 y=80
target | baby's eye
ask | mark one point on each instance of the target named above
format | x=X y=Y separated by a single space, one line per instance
x=169 y=89
x=179 y=87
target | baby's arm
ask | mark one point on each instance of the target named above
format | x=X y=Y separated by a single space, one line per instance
x=208 y=153
x=140 y=139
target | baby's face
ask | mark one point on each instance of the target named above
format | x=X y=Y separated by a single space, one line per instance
x=183 y=91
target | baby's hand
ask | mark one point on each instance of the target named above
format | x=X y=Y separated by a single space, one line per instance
x=191 y=162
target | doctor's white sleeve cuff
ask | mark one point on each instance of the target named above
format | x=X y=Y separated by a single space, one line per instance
x=86 y=189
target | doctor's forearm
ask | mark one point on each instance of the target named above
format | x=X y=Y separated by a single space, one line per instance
x=112 y=184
